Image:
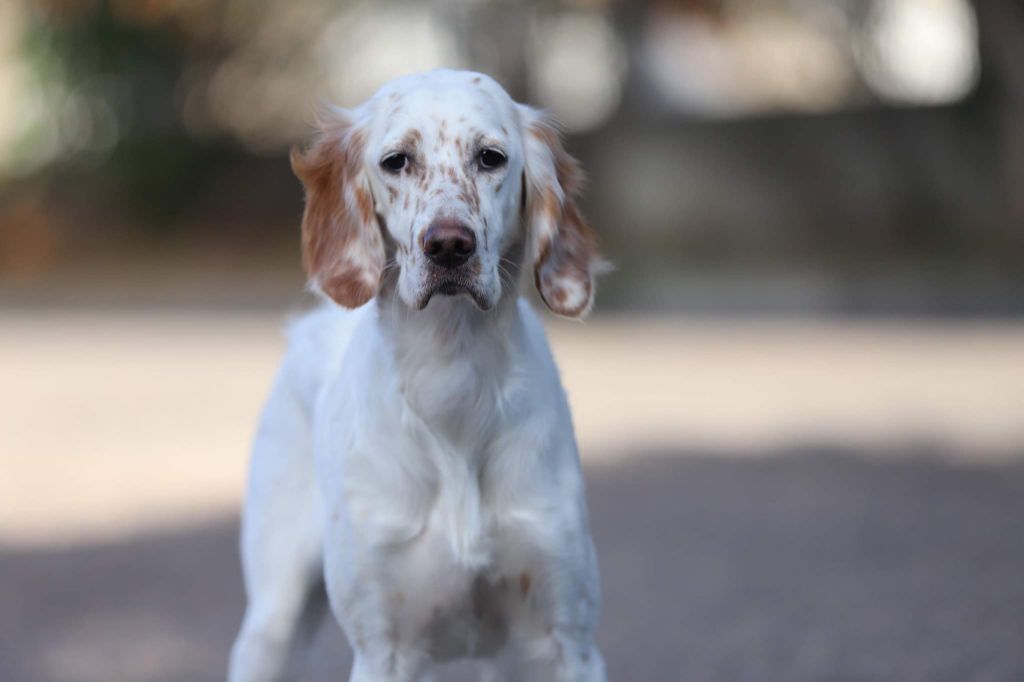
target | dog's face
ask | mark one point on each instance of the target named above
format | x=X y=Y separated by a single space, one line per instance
x=446 y=163
x=444 y=178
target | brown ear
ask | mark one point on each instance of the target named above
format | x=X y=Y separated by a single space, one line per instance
x=342 y=247
x=564 y=248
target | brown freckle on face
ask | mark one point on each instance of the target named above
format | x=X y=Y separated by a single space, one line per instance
x=476 y=81
x=411 y=140
x=469 y=197
x=405 y=202
x=393 y=193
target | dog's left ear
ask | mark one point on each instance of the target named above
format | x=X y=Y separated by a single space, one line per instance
x=562 y=245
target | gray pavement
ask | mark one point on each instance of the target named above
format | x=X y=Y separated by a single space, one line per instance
x=801 y=567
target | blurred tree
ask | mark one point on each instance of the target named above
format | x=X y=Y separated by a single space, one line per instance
x=117 y=69
x=1001 y=93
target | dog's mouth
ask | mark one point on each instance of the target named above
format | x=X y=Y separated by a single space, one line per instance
x=451 y=288
x=454 y=286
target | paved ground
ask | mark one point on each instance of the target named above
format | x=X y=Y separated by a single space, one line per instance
x=754 y=559
x=800 y=567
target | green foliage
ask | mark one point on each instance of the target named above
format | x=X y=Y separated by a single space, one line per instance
x=123 y=74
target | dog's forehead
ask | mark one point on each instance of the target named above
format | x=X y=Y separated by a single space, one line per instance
x=444 y=103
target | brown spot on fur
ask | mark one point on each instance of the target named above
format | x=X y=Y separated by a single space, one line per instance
x=550 y=206
x=569 y=256
x=525 y=581
x=364 y=204
x=476 y=80
x=571 y=252
x=411 y=139
x=342 y=249
x=470 y=198
x=346 y=287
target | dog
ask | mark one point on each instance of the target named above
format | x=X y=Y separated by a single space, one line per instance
x=416 y=455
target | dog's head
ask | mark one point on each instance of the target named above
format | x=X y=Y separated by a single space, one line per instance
x=443 y=178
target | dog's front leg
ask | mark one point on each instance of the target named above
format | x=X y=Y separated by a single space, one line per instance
x=387 y=666
x=564 y=651
x=381 y=656
x=367 y=610
x=554 y=640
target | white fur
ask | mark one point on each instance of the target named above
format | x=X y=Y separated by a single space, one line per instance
x=423 y=462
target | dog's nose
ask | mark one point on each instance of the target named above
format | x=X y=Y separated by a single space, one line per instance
x=449 y=243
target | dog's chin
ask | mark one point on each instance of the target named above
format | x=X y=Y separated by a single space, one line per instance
x=451 y=288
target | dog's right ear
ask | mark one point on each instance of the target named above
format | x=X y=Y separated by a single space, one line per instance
x=342 y=246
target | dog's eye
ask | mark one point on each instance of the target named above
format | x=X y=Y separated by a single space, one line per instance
x=395 y=162
x=490 y=159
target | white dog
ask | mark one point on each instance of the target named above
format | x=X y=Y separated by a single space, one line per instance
x=416 y=454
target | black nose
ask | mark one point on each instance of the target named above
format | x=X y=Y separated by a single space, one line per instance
x=449 y=243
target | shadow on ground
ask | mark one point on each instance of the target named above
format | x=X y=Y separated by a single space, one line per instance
x=799 y=569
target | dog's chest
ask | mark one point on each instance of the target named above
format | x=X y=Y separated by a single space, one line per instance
x=457 y=609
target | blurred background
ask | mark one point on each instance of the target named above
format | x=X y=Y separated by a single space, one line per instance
x=800 y=399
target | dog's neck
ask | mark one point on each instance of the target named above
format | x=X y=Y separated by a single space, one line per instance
x=453 y=360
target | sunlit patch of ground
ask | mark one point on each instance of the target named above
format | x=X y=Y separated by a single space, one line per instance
x=119 y=421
